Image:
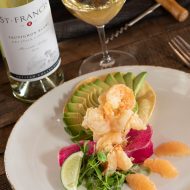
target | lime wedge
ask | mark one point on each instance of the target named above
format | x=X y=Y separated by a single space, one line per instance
x=70 y=170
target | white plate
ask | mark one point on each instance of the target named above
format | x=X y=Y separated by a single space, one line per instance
x=31 y=153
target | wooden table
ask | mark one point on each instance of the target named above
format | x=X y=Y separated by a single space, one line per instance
x=147 y=41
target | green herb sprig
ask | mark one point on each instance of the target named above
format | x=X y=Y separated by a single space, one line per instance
x=92 y=174
x=92 y=177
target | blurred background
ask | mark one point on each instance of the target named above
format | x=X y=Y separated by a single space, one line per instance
x=67 y=26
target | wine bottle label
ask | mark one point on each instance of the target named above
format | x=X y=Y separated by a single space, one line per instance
x=29 y=41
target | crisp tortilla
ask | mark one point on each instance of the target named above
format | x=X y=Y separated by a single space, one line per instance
x=146 y=99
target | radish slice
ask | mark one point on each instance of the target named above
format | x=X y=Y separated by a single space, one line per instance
x=142 y=154
x=66 y=151
x=140 y=146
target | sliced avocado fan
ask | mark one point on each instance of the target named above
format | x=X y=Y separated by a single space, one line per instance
x=86 y=96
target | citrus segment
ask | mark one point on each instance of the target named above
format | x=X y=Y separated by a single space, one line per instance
x=172 y=148
x=162 y=167
x=140 y=182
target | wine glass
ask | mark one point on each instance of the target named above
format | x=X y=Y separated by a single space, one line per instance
x=98 y=13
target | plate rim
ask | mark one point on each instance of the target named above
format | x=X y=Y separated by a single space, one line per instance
x=78 y=78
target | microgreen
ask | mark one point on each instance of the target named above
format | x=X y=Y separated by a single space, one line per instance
x=84 y=147
x=92 y=174
x=101 y=156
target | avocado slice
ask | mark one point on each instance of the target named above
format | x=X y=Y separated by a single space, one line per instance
x=87 y=96
x=138 y=82
x=73 y=120
x=77 y=99
x=118 y=76
x=72 y=114
x=110 y=80
x=128 y=78
x=102 y=84
x=86 y=88
x=76 y=107
x=74 y=129
x=99 y=90
x=92 y=92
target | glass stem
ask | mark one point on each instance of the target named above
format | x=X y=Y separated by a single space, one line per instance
x=107 y=60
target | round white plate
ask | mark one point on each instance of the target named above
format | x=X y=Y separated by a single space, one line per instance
x=31 y=153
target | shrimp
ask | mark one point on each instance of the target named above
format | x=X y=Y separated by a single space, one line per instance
x=119 y=123
x=111 y=163
x=107 y=141
x=113 y=113
x=95 y=121
x=117 y=159
x=126 y=121
x=135 y=122
x=117 y=99
x=123 y=161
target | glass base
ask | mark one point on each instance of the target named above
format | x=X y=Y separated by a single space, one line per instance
x=93 y=63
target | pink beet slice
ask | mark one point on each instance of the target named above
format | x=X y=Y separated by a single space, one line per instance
x=142 y=133
x=139 y=144
x=142 y=154
x=66 y=151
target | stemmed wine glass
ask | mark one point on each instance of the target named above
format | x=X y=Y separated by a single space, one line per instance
x=98 y=13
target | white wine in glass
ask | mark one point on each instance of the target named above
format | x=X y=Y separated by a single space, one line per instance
x=98 y=13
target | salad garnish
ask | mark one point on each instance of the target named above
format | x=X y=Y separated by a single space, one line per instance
x=108 y=120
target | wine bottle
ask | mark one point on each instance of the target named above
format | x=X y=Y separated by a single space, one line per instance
x=30 y=49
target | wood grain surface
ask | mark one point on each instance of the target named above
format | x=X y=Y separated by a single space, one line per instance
x=147 y=41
